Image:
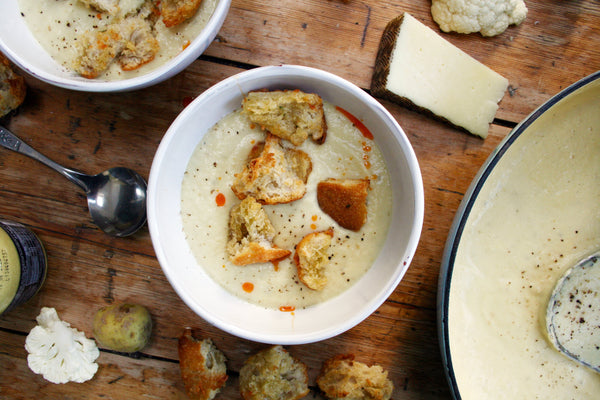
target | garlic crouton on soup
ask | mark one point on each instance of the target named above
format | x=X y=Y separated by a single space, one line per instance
x=289 y=114
x=344 y=200
x=174 y=12
x=129 y=42
x=251 y=235
x=311 y=258
x=273 y=175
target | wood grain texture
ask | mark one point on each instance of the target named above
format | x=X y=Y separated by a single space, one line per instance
x=555 y=46
x=556 y=39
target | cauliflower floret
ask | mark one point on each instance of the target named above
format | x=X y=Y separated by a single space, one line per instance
x=490 y=17
x=60 y=353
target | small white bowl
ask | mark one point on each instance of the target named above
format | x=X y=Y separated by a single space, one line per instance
x=21 y=47
x=231 y=314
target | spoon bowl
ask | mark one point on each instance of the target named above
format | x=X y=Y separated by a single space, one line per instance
x=117 y=201
x=573 y=317
x=116 y=197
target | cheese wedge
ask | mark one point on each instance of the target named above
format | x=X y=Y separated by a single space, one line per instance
x=419 y=69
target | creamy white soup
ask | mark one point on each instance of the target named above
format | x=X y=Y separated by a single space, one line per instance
x=537 y=215
x=57 y=25
x=207 y=199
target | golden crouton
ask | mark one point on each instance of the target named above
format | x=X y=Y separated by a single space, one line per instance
x=273 y=374
x=343 y=378
x=175 y=12
x=12 y=87
x=202 y=365
x=311 y=258
x=344 y=200
x=289 y=114
x=140 y=47
x=130 y=41
x=251 y=235
x=98 y=50
x=274 y=174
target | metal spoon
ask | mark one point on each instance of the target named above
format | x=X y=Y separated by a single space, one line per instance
x=573 y=314
x=116 y=197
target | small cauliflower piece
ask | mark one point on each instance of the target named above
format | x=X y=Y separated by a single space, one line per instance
x=491 y=18
x=60 y=353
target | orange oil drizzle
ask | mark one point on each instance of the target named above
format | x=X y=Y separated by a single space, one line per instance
x=357 y=123
x=275 y=265
x=220 y=200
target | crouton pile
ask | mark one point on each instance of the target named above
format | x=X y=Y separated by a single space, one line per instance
x=274 y=374
x=276 y=172
x=130 y=39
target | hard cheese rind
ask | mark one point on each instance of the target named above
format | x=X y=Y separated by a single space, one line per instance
x=417 y=68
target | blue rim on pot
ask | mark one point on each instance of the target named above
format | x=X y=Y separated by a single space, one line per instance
x=462 y=215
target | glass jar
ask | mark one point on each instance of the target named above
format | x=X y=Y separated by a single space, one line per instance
x=22 y=265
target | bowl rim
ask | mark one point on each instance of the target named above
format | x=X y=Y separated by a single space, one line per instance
x=152 y=77
x=462 y=215
x=400 y=265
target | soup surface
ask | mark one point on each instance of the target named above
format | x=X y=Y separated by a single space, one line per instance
x=537 y=214
x=207 y=199
x=57 y=25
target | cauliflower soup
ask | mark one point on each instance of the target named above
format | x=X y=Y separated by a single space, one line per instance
x=206 y=198
x=59 y=24
x=537 y=214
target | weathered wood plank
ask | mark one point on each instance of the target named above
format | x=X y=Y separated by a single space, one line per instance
x=554 y=47
x=88 y=270
x=550 y=50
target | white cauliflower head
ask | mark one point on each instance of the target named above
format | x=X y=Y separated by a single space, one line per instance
x=490 y=17
x=60 y=353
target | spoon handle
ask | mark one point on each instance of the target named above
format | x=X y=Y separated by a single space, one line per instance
x=10 y=141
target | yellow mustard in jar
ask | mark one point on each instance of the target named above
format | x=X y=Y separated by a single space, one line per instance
x=22 y=265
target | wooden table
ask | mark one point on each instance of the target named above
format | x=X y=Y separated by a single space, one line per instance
x=555 y=46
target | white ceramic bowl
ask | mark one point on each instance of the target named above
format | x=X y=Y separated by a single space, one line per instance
x=207 y=298
x=21 y=47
